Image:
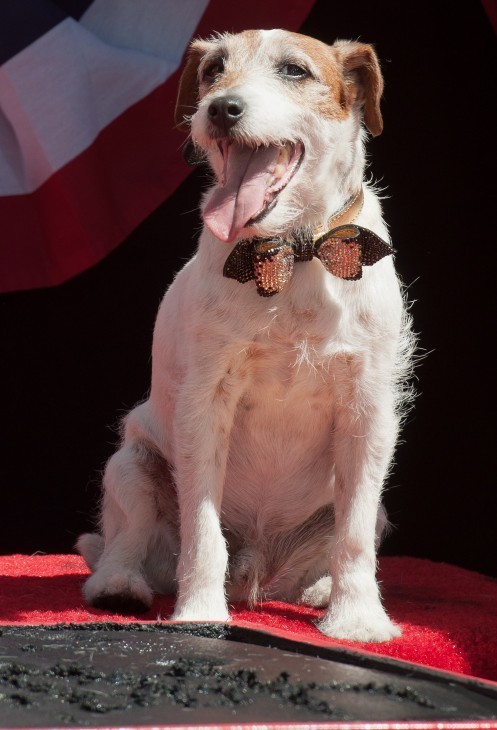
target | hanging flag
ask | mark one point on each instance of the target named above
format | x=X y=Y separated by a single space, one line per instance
x=87 y=144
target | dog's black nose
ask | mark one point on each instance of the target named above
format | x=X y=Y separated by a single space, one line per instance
x=226 y=111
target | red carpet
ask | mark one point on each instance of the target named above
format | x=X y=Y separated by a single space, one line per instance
x=448 y=615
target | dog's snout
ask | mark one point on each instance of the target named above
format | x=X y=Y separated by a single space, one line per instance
x=225 y=111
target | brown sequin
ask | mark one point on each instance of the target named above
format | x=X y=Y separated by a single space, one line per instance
x=303 y=247
x=341 y=258
x=273 y=267
x=240 y=263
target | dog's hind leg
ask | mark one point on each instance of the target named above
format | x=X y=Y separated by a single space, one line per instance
x=132 y=520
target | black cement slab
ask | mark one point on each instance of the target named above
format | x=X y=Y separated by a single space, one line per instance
x=110 y=674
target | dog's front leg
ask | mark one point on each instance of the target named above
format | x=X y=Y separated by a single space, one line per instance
x=363 y=443
x=205 y=408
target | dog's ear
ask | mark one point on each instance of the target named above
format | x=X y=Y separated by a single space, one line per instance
x=364 y=80
x=186 y=102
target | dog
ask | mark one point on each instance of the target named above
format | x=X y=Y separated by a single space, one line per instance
x=281 y=355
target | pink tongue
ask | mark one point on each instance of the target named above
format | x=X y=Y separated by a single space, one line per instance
x=248 y=173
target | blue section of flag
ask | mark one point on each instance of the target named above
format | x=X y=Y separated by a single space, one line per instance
x=22 y=22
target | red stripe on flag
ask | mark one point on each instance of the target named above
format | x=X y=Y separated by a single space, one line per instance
x=93 y=203
x=89 y=206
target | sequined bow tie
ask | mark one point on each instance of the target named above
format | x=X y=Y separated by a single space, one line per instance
x=343 y=251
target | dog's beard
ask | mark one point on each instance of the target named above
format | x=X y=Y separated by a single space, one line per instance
x=248 y=185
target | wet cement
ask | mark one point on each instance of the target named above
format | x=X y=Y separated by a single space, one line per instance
x=110 y=674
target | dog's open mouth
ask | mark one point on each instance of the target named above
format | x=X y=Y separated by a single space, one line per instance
x=251 y=180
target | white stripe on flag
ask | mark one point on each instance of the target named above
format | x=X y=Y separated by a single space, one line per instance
x=160 y=27
x=58 y=94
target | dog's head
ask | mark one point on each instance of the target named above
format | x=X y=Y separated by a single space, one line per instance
x=278 y=116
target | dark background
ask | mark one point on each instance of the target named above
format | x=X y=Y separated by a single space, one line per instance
x=75 y=358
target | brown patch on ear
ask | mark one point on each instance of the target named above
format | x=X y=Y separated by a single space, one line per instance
x=186 y=102
x=362 y=69
x=335 y=103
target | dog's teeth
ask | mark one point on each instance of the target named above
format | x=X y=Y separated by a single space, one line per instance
x=281 y=163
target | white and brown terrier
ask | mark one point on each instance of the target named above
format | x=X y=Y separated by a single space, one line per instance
x=255 y=468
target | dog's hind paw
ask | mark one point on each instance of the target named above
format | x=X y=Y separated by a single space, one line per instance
x=365 y=626
x=90 y=546
x=125 y=593
x=318 y=594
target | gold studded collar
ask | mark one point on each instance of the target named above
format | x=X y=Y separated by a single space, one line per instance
x=343 y=248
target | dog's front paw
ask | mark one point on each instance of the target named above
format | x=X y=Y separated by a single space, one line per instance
x=201 y=610
x=365 y=624
x=123 y=592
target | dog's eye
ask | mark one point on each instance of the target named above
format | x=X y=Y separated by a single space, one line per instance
x=214 y=69
x=292 y=71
